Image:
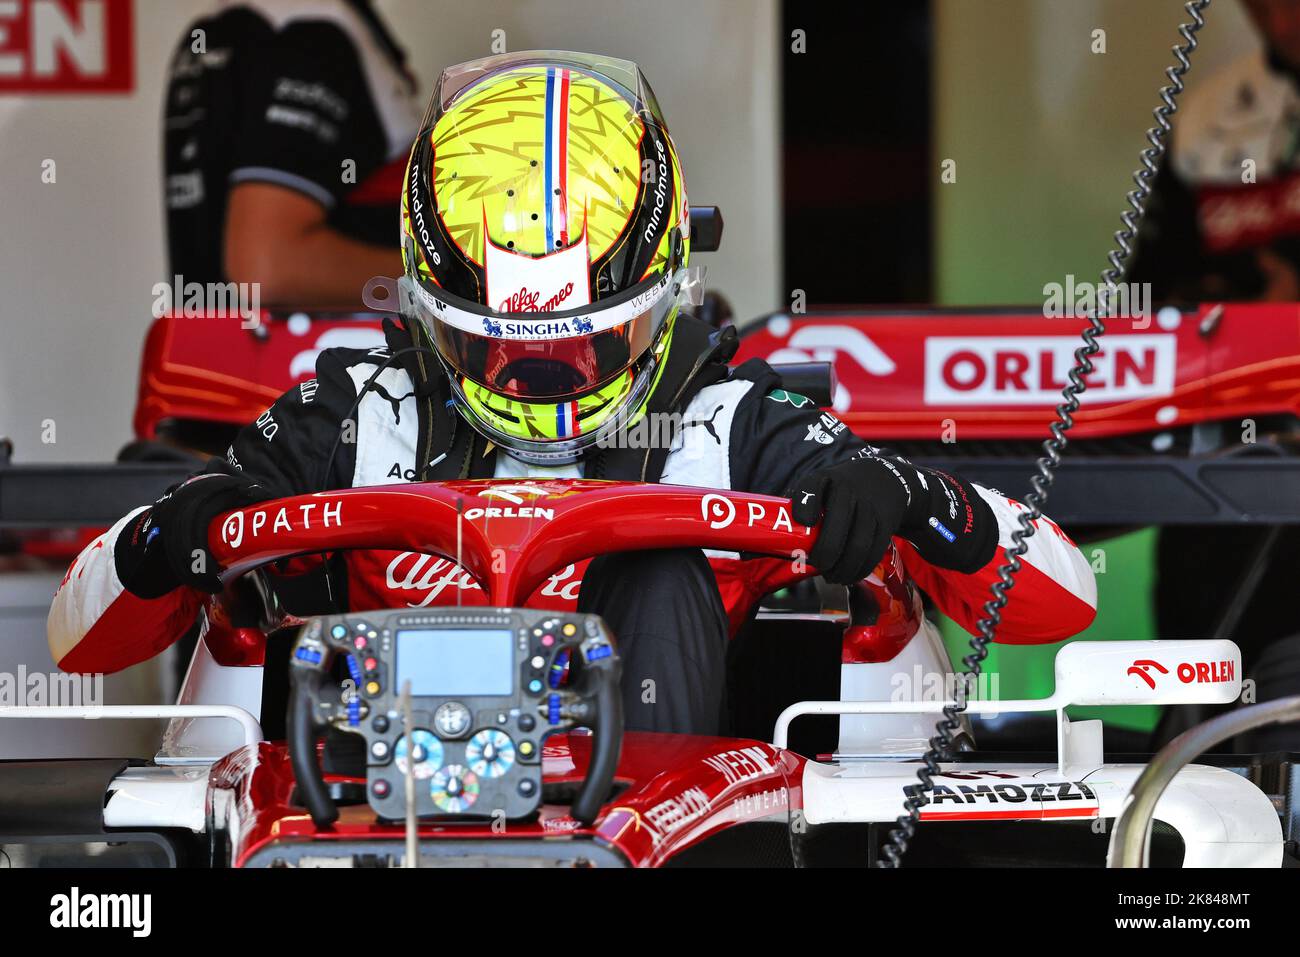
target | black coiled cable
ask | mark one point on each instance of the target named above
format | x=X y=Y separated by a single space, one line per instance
x=891 y=855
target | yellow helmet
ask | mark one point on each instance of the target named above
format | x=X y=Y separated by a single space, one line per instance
x=545 y=238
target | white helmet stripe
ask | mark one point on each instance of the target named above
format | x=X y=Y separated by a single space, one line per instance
x=525 y=328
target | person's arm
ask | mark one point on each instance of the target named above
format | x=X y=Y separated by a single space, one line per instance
x=309 y=129
x=951 y=533
x=138 y=587
x=1055 y=595
x=279 y=238
x=97 y=624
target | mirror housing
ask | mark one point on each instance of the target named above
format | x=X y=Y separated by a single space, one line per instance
x=706 y=229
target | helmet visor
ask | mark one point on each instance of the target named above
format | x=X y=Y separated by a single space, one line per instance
x=553 y=356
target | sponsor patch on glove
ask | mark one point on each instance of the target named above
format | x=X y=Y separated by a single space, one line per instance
x=939 y=527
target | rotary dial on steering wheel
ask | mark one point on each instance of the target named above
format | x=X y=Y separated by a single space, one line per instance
x=427 y=753
x=454 y=789
x=490 y=753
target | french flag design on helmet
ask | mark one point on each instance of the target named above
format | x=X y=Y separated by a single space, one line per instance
x=566 y=419
x=557 y=157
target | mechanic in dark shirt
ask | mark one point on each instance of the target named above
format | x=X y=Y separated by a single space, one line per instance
x=1223 y=224
x=287 y=127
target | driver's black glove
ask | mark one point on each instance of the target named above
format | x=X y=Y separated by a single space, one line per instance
x=864 y=502
x=167 y=545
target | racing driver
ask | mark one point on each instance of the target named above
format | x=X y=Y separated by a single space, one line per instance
x=546 y=241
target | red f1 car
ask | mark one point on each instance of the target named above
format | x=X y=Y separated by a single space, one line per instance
x=481 y=747
x=824 y=788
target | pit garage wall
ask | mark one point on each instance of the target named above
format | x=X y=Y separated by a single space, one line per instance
x=1045 y=135
x=78 y=258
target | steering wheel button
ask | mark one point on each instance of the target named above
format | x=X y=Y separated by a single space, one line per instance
x=338 y=631
x=371 y=664
x=535 y=686
x=372 y=688
x=527 y=787
x=526 y=749
x=548 y=640
x=360 y=642
x=380 y=788
x=380 y=724
x=569 y=629
x=379 y=750
x=538 y=662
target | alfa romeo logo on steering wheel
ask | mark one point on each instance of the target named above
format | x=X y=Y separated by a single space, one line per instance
x=718 y=511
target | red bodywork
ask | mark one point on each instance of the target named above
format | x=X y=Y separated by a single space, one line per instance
x=210 y=368
x=996 y=372
x=911 y=374
x=679 y=789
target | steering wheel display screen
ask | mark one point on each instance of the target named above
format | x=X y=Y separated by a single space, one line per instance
x=456 y=662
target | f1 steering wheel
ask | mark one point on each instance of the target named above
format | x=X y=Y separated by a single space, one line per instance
x=474 y=753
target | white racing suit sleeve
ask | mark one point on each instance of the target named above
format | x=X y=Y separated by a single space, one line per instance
x=1055 y=593
x=119 y=604
x=96 y=625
